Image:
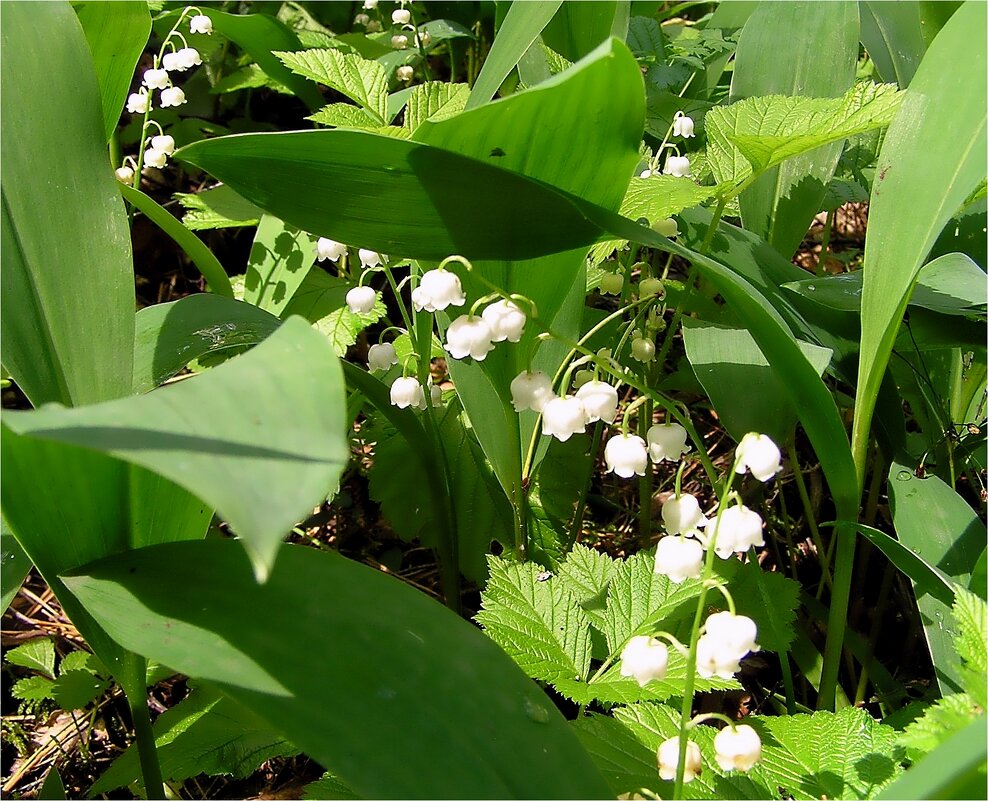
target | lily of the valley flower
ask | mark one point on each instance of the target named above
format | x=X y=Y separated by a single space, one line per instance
x=437 y=290
x=563 y=417
x=725 y=641
x=469 y=335
x=626 y=455
x=368 y=258
x=361 y=299
x=181 y=60
x=399 y=41
x=757 y=453
x=644 y=659
x=678 y=166
x=401 y=16
x=155 y=158
x=642 y=349
x=172 y=96
x=201 y=24
x=531 y=391
x=679 y=558
x=600 y=400
x=156 y=79
x=382 y=357
x=124 y=174
x=361 y=19
x=611 y=283
x=407 y=391
x=405 y=73
x=370 y=5
x=668 y=756
x=139 y=102
x=682 y=125
x=682 y=515
x=737 y=748
x=737 y=529
x=666 y=441
x=164 y=143
x=506 y=320
x=329 y=249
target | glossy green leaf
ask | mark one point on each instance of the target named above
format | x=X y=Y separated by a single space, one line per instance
x=577 y=28
x=379 y=660
x=279 y=260
x=741 y=385
x=344 y=115
x=262 y=468
x=937 y=524
x=435 y=101
x=116 y=35
x=803 y=49
x=926 y=577
x=53 y=788
x=170 y=335
x=934 y=14
x=521 y=27
x=363 y=81
x=220 y=207
x=202 y=257
x=893 y=37
x=67 y=333
x=15 y=563
x=920 y=184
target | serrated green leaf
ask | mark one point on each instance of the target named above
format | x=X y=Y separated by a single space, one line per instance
x=33 y=688
x=342 y=327
x=587 y=573
x=554 y=61
x=946 y=716
x=435 y=101
x=217 y=208
x=249 y=77
x=343 y=115
x=82 y=660
x=971 y=615
x=538 y=623
x=365 y=82
x=645 y=38
x=757 y=133
x=613 y=688
x=76 y=689
x=205 y=733
x=328 y=787
x=37 y=654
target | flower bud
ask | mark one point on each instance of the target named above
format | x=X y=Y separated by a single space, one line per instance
x=679 y=558
x=172 y=96
x=368 y=258
x=581 y=378
x=399 y=41
x=369 y=5
x=401 y=16
x=165 y=144
x=373 y=26
x=678 y=166
x=155 y=158
x=682 y=125
x=600 y=400
x=506 y=320
x=757 y=453
x=156 y=79
x=531 y=391
x=668 y=755
x=124 y=174
x=667 y=227
x=405 y=73
x=642 y=349
x=361 y=19
x=201 y=24
x=407 y=392
x=563 y=417
x=651 y=286
x=666 y=441
x=738 y=748
x=361 y=299
x=139 y=102
x=469 y=336
x=329 y=249
x=437 y=290
x=626 y=455
x=423 y=38
x=612 y=283
x=682 y=515
x=644 y=659
x=382 y=357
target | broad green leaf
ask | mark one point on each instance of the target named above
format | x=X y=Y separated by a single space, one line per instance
x=893 y=36
x=262 y=466
x=76 y=689
x=53 y=788
x=538 y=622
x=956 y=769
x=279 y=261
x=435 y=101
x=344 y=115
x=37 y=654
x=645 y=39
x=926 y=578
x=342 y=326
x=587 y=573
x=15 y=565
x=201 y=256
x=116 y=35
x=410 y=666
x=518 y=31
x=441 y=30
x=771 y=600
x=328 y=787
x=919 y=186
x=577 y=28
x=33 y=688
x=934 y=14
x=559 y=485
x=217 y=208
x=66 y=333
x=742 y=386
x=261 y=36
x=204 y=733
x=363 y=81
x=935 y=522
x=170 y=335
x=801 y=49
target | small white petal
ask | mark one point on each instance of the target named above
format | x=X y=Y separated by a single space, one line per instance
x=626 y=455
x=201 y=24
x=737 y=748
x=401 y=16
x=600 y=400
x=469 y=336
x=531 y=391
x=329 y=249
x=382 y=357
x=563 y=417
x=361 y=299
x=172 y=96
x=165 y=144
x=668 y=757
x=644 y=659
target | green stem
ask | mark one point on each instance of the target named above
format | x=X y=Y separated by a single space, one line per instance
x=134 y=688
x=645 y=481
x=840 y=598
x=581 y=504
x=804 y=497
x=821 y=265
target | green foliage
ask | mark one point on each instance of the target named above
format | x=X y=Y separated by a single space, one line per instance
x=217 y=208
x=434 y=101
x=328 y=787
x=363 y=81
x=37 y=654
x=79 y=681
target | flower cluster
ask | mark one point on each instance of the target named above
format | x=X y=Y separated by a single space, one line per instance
x=735 y=748
x=727 y=638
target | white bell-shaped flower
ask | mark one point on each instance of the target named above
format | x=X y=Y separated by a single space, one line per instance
x=682 y=125
x=407 y=392
x=651 y=286
x=737 y=529
x=399 y=41
x=124 y=174
x=666 y=441
x=642 y=349
x=189 y=57
x=626 y=455
x=563 y=417
x=725 y=641
x=329 y=249
x=506 y=320
x=644 y=659
x=405 y=73
x=156 y=79
x=172 y=96
x=423 y=39
x=382 y=357
x=201 y=24
x=368 y=258
x=737 y=748
x=165 y=144
x=401 y=16
x=600 y=400
x=435 y=395
x=361 y=19
x=757 y=453
x=667 y=227
x=369 y=5
x=361 y=299
x=612 y=283
x=155 y=158
x=682 y=515
x=531 y=391
x=679 y=558
x=171 y=62
x=139 y=102
x=668 y=756
x=437 y=290
x=678 y=166
x=469 y=335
